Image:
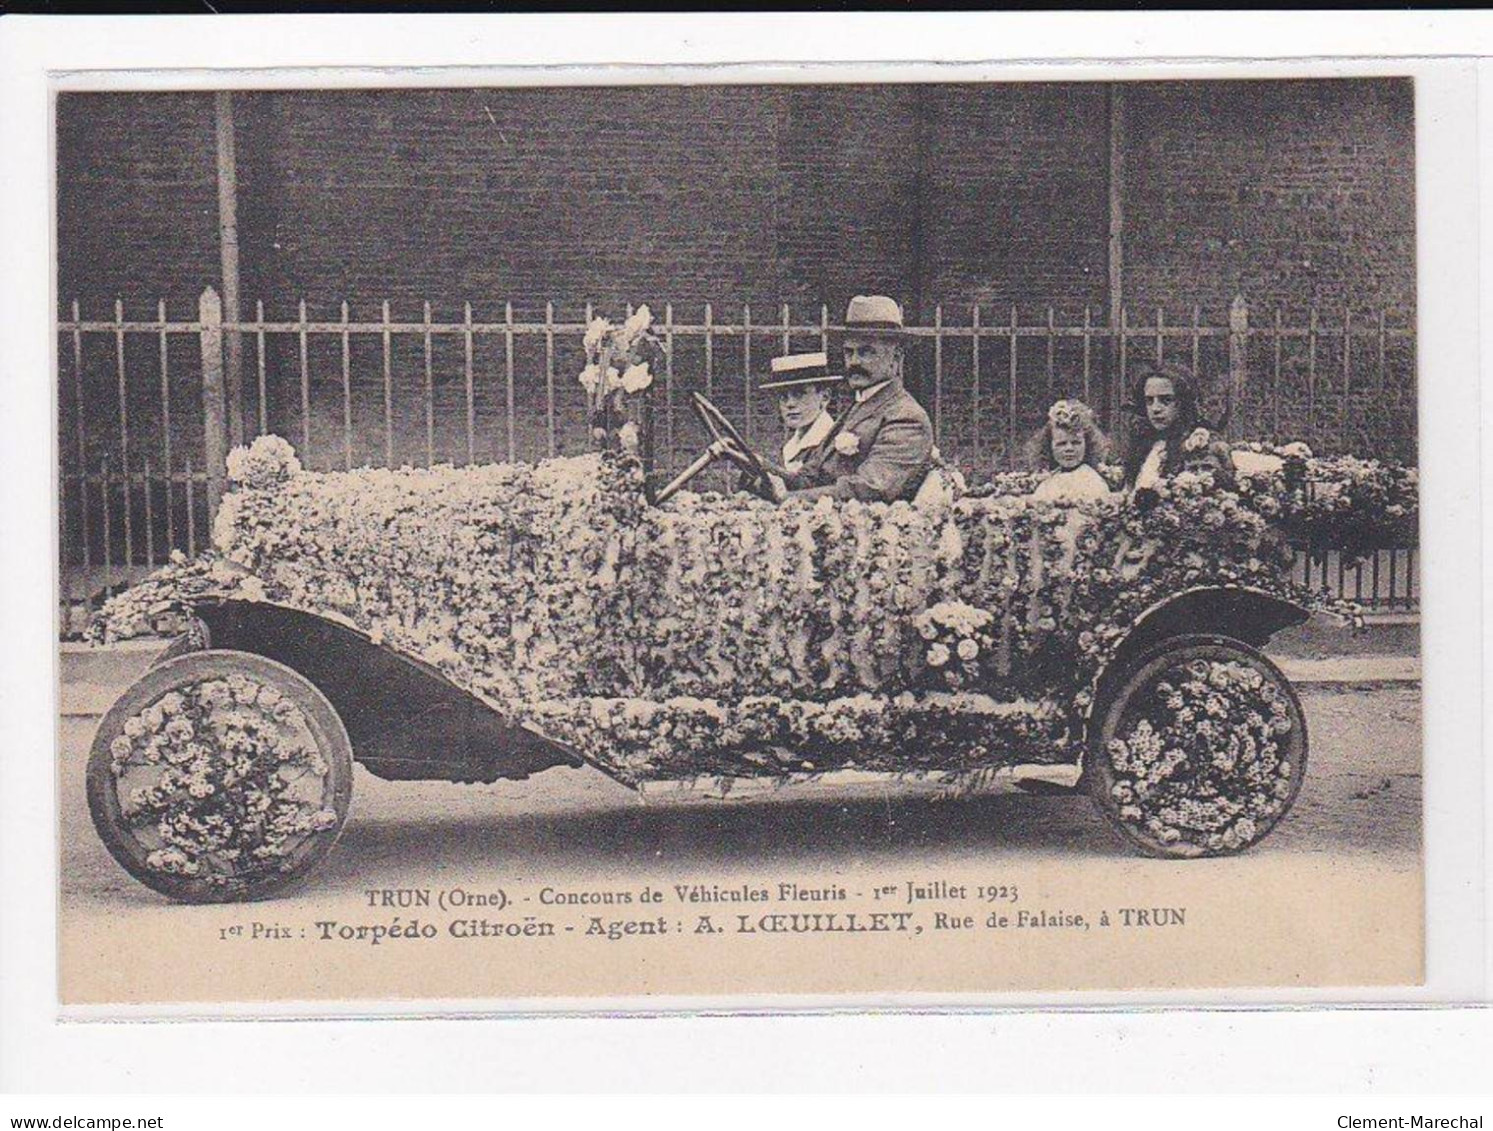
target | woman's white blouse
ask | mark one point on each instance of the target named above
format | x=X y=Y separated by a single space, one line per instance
x=1076 y=486
x=806 y=441
x=1150 y=471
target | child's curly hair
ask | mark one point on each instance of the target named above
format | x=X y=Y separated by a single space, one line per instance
x=1071 y=416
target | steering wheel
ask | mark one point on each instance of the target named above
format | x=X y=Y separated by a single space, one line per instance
x=724 y=433
x=725 y=442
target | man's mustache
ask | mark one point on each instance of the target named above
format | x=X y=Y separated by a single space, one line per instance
x=857 y=371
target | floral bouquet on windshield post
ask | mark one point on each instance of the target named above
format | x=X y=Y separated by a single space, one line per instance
x=618 y=374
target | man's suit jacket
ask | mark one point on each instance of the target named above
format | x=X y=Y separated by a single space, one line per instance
x=893 y=451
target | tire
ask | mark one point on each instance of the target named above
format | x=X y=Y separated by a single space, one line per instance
x=212 y=830
x=1187 y=784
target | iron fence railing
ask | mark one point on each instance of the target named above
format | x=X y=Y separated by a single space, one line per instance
x=148 y=406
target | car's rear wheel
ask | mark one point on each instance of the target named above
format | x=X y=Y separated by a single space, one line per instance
x=220 y=776
x=1197 y=748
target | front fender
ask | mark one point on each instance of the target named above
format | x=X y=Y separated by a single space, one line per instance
x=405 y=718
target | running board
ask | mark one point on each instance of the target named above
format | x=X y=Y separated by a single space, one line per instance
x=859 y=784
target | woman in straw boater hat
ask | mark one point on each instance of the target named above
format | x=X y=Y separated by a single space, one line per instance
x=802 y=384
x=882 y=447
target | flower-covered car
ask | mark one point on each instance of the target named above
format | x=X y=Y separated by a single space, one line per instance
x=479 y=623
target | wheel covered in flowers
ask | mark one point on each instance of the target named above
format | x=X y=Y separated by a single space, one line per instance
x=1198 y=749
x=220 y=776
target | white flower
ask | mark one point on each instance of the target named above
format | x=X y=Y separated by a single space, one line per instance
x=950 y=544
x=1256 y=463
x=225 y=532
x=938 y=655
x=847 y=443
x=627 y=436
x=636 y=378
x=1196 y=441
x=968 y=649
x=640 y=320
x=590 y=378
x=598 y=329
x=267 y=462
x=1296 y=450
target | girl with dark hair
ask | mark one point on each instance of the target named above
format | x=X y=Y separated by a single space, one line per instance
x=1168 y=434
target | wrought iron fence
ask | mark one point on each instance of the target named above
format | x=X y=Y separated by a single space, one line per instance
x=149 y=405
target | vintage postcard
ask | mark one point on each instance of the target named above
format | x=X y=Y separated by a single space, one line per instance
x=692 y=540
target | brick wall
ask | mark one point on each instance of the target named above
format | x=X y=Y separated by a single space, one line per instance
x=1018 y=200
x=803 y=194
x=847 y=187
x=137 y=203
x=1290 y=193
x=522 y=195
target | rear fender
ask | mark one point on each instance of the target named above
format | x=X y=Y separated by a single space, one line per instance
x=1249 y=615
x=406 y=720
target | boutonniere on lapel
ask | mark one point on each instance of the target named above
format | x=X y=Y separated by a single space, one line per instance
x=847 y=443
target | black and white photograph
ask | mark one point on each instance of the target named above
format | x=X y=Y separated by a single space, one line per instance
x=525 y=541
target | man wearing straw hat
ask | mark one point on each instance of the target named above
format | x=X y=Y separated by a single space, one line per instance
x=882 y=447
